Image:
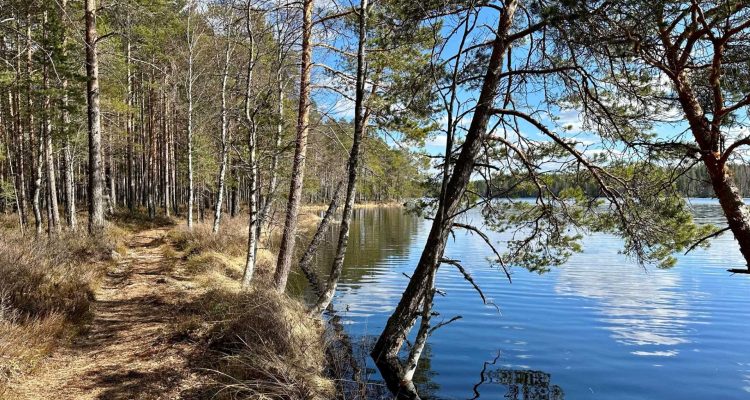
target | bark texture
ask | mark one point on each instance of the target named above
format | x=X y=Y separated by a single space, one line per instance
x=252 y=142
x=360 y=124
x=286 y=250
x=312 y=248
x=96 y=201
x=221 y=180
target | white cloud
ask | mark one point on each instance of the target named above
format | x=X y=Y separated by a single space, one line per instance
x=438 y=141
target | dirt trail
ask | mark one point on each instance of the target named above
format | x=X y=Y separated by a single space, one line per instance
x=125 y=353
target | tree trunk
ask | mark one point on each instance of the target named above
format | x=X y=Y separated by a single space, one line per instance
x=20 y=183
x=165 y=144
x=35 y=141
x=732 y=204
x=15 y=185
x=723 y=183
x=252 y=142
x=172 y=160
x=234 y=207
x=224 y=139
x=191 y=187
x=286 y=250
x=70 y=195
x=96 y=202
x=151 y=163
x=386 y=350
x=360 y=124
x=129 y=125
x=420 y=341
x=312 y=248
x=54 y=212
x=110 y=175
x=273 y=169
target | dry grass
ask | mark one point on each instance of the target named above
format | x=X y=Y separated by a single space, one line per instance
x=139 y=220
x=219 y=260
x=46 y=291
x=376 y=204
x=231 y=239
x=319 y=208
x=257 y=343
x=23 y=344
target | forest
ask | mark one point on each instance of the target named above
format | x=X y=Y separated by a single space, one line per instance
x=694 y=182
x=214 y=164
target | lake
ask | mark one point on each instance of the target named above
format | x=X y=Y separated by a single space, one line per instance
x=598 y=327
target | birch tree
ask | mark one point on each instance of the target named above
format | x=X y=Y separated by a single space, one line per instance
x=224 y=138
x=252 y=143
x=68 y=173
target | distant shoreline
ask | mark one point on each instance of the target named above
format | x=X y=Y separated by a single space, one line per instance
x=367 y=204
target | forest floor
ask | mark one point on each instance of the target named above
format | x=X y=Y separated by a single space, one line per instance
x=125 y=351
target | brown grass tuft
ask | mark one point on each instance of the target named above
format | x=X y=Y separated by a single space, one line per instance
x=231 y=239
x=258 y=344
x=264 y=345
x=23 y=344
x=139 y=220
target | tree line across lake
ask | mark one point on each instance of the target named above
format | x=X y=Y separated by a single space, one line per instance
x=693 y=182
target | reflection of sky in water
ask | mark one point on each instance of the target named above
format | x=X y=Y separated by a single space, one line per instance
x=638 y=308
x=601 y=326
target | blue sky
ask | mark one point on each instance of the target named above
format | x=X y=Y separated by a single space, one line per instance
x=568 y=122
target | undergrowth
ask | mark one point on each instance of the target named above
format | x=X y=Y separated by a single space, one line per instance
x=257 y=343
x=46 y=292
x=219 y=259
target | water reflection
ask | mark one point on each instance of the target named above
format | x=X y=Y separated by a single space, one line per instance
x=653 y=312
x=522 y=384
x=380 y=239
x=595 y=325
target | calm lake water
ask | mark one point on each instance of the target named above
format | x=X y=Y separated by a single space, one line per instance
x=599 y=327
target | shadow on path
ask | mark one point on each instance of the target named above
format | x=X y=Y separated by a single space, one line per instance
x=124 y=353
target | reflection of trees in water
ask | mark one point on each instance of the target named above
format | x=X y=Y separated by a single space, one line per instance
x=425 y=376
x=522 y=384
x=527 y=385
x=376 y=234
x=357 y=378
x=379 y=233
